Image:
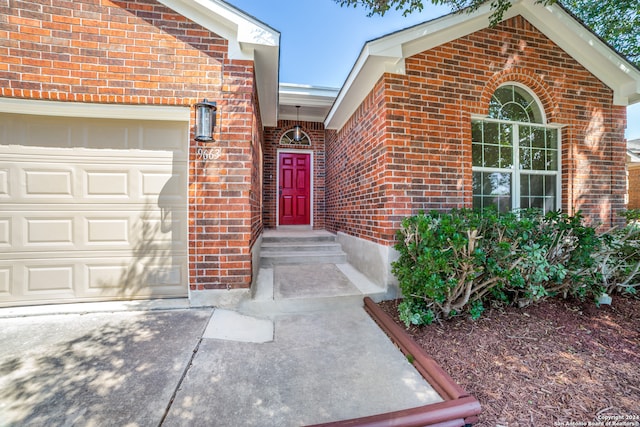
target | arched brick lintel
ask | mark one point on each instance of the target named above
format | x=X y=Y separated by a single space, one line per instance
x=534 y=82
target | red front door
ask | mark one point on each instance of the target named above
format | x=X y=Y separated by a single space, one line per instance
x=295 y=189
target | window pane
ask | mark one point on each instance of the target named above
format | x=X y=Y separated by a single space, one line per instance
x=476 y=150
x=476 y=131
x=552 y=138
x=524 y=186
x=491 y=133
x=539 y=159
x=514 y=112
x=505 y=134
x=477 y=183
x=503 y=94
x=552 y=160
x=536 y=202
x=550 y=205
x=525 y=136
x=550 y=186
x=491 y=156
x=477 y=202
x=536 y=185
x=506 y=157
x=538 y=138
x=492 y=189
x=495 y=184
x=494 y=108
x=538 y=191
x=515 y=103
x=525 y=158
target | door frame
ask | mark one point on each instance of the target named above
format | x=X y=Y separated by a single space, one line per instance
x=311 y=193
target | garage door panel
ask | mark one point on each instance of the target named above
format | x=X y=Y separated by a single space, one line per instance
x=49 y=279
x=96 y=212
x=90 y=183
x=101 y=183
x=5 y=233
x=48 y=183
x=4 y=183
x=152 y=274
x=135 y=277
x=108 y=231
x=51 y=231
x=5 y=282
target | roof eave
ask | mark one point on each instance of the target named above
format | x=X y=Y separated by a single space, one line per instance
x=387 y=54
x=588 y=49
x=248 y=39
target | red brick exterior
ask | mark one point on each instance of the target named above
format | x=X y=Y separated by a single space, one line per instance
x=634 y=186
x=316 y=134
x=142 y=53
x=408 y=146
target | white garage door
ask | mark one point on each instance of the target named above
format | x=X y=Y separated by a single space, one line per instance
x=91 y=209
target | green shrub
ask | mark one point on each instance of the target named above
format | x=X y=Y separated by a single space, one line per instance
x=458 y=262
x=617 y=264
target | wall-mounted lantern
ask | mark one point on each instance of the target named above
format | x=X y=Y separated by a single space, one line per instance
x=205 y=120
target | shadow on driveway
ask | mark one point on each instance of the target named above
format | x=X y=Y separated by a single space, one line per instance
x=94 y=369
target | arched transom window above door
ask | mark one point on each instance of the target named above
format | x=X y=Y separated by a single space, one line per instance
x=515 y=154
x=295 y=138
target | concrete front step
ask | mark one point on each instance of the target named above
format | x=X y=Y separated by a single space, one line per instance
x=298 y=238
x=270 y=258
x=301 y=247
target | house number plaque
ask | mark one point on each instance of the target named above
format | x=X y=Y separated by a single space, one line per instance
x=208 y=153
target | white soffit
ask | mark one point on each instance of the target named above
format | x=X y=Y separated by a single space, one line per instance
x=314 y=102
x=387 y=54
x=98 y=111
x=249 y=39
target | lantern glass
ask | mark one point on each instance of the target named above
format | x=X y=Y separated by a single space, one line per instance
x=297 y=133
x=205 y=120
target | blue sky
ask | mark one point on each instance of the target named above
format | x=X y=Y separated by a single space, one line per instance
x=320 y=41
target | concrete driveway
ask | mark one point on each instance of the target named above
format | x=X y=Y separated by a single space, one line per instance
x=95 y=369
x=303 y=352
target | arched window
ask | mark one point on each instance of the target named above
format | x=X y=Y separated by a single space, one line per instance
x=289 y=139
x=516 y=155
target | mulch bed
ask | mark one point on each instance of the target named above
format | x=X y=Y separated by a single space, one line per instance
x=557 y=363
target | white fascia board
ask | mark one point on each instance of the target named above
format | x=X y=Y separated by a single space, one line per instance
x=248 y=39
x=368 y=69
x=586 y=48
x=267 y=73
x=428 y=35
x=305 y=95
x=98 y=111
x=243 y=32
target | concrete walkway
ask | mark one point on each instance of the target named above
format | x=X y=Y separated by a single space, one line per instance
x=302 y=352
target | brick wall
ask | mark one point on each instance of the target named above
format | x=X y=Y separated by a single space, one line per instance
x=634 y=186
x=417 y=130
x=364 y=186
x=142 y=53
x=316 y=134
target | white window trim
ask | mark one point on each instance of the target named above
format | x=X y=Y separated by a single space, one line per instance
x=515 y=170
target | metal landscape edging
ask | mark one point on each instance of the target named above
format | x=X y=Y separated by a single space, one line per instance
x=458 y=408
